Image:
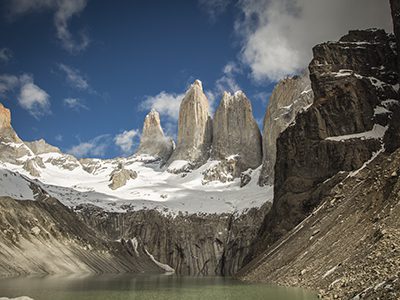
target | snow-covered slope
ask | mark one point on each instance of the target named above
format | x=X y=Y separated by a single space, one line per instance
x=76 y=182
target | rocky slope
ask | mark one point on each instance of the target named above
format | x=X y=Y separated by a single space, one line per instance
x=152 y=141
x=194 y=127
x=349 y=245
x=44 y=237
x=334 y=222
x=288 y=98
x=236 y=133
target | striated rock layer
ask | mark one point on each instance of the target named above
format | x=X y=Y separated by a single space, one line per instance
x=288 y=98
x=201 y=244
x=236 y=133
x=355 y=83
x=152 y=141
x=194 y=127
x=45 y=237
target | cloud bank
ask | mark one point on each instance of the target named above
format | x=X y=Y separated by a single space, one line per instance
x=126 y=140
x=278 y=35
x=31 y=97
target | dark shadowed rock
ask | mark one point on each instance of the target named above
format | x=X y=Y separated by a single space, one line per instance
x=355 y=87
x=288 y=98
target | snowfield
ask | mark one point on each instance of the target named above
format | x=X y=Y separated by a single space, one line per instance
x=154 y=188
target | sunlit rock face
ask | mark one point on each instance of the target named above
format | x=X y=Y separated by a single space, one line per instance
x=153 y=142
x=194 y=127
x=236 y=133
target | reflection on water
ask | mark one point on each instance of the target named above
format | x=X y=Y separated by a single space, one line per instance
x=122 y=287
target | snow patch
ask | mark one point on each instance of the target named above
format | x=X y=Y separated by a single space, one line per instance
x=165 y=267
x=377 y=132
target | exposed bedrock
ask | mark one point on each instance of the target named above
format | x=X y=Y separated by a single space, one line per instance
x=153 y=142
x=236 y=133
x=191 y=244
x=194 y=127
x=355 y=85
x=45 y=237
x=288 y=98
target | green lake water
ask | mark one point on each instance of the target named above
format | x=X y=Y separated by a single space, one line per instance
x=145 y=287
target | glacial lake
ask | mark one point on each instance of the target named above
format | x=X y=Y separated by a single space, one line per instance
x=166 y=287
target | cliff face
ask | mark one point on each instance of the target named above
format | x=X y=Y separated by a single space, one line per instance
x=355 y=96
x=194 y=127
x=152 y=141
x=31 y=232
x=235 y=132
x=203 y=244
x=288 y=98
x=334 y=221
x=5 y=117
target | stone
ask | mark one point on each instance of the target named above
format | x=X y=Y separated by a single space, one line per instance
x=41 y=147
x=236 y=133
x=120 y=176
x=152 y=141
x=194 y=127
x=289 y=97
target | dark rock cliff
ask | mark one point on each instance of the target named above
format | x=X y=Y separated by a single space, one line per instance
x=355 y=85
x=191 y=244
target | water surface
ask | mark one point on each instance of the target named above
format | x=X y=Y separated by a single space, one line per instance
x=145 y=287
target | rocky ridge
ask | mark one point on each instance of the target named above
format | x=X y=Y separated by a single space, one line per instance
x=336 y=230
x=32 y=231
x=289 y=97
x=355 y=95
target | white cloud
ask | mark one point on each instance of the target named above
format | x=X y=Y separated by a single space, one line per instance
x=75 y=104
x=5 y=55
x=126 y=140
x=214 y=8
x=95 y=147
x=278 y=35
x=58 y=138
x=226 y=82
x=64 y=10
x=167 y=104
x=74 y=77
x=8 y=83
x=32 y=98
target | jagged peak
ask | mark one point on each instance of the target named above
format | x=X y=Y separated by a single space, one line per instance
x=227 y=97
x=5 y=117
x=153 y=113
x=197 y=83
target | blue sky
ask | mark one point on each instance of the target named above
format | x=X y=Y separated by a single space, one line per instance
x=82 y=74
